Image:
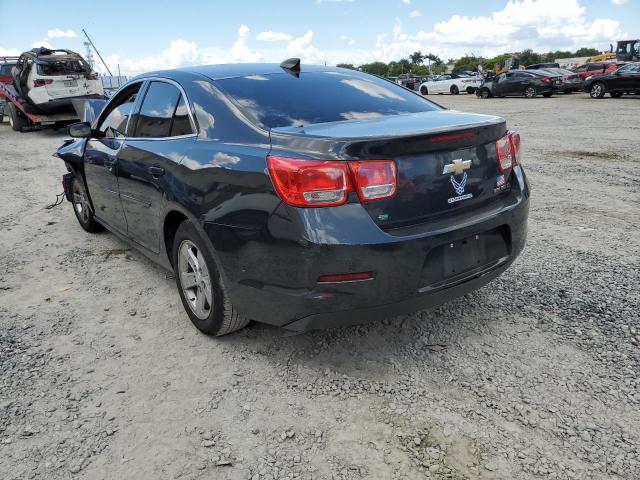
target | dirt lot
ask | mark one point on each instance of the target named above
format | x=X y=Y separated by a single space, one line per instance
x=535 y=376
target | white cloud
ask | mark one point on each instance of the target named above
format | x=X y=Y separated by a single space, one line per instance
x=350 y=41
x=271 y=36
x=619 y=2
x=9 y=52
x=543 y=25
x=240 y=52
x=406 y=2
x=57 y=33
x=415 y=13
x=303 y=48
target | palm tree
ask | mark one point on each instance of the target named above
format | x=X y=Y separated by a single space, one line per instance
x=417 y=58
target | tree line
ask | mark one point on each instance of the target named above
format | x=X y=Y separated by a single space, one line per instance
x=430 y=64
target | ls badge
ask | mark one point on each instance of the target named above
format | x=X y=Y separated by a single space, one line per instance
x=458 y=167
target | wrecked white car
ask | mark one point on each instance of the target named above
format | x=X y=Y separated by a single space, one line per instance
x=49 y=79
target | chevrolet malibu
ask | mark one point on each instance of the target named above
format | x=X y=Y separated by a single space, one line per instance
x=300 y=197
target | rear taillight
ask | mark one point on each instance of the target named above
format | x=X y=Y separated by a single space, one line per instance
x=318 y=183
x=310 y=183
x=546 y=80
x=374 y=179
x=41 y=83
x=508 y=151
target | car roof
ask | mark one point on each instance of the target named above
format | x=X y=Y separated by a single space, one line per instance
x=235 y=70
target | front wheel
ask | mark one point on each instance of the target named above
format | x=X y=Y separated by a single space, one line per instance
x=454 y=90
x=484 y=93
x=530 y=92
x=424 y=90
x=82 y=209
x=200 y=285
x=471 y=90
x=597 y=90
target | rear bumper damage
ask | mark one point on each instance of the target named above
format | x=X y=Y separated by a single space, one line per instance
x=271 y=273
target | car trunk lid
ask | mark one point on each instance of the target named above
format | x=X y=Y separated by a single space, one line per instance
x=447 y=162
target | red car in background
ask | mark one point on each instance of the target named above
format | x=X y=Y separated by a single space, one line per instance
x=597 y=68
x=6 y=64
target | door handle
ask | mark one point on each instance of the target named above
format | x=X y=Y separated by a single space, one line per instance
x=156 y=171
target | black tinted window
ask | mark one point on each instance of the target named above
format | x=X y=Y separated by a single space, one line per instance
x=6 y=69
x=181 y=123
x=282 y=100
x=156 y=113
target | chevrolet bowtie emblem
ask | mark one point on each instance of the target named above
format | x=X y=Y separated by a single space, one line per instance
x=457 y=167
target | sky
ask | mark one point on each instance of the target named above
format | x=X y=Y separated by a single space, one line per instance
x=141 y=35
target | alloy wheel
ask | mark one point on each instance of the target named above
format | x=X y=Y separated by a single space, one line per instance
x=596 y=90
x=529 y=92
x=195 y=280
x=80 y=203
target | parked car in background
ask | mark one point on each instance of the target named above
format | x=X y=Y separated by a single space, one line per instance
x=49 y=79
x=624 y=80
x=451 y=83
x=570 y=81
x=518 y=83
x=598 y=68
x=538 y=66
x=408 y=81
x=313 y=200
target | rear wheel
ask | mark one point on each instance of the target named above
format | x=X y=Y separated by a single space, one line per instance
x=616 y=94
x=530 y=92
x=597 y=90
x=454 y=90
x=200 y=285
x=471 y=90
x=82 y=209
x=484 y=93
x=424 y=90
x=17 y=119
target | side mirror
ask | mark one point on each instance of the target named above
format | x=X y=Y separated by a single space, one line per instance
x=79 y=130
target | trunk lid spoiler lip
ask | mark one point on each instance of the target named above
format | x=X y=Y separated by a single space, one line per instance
x=393 y=126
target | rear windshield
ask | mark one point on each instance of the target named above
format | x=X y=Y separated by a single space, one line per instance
x=282 y=100
x=68 y=67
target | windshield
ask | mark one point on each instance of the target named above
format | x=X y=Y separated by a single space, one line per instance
x=282 y=100
x=630 y=68
x=5 y=69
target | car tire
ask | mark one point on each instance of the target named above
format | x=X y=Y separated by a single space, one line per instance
x=454 y=90
x=17 y=119
x=484 y=93
x=471 y=90
x=82 y=209
x=530 y=92
x=206 y=300
x=597 y=90
x=547 y=94
x=616 y=94
x=424 y=90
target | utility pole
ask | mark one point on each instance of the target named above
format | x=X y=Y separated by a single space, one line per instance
x=89 y=54
x=97 y=52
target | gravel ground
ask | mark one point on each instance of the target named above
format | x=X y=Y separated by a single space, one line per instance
x=537 y=375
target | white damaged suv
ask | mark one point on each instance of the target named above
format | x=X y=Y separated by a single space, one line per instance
x=49 y=79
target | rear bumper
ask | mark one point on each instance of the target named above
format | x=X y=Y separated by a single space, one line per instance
x=271 y=273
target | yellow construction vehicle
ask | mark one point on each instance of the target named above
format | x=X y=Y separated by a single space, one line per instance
x=510 y=63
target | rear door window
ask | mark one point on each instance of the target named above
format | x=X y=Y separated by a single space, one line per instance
x=156 y=113
x=282 y=100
